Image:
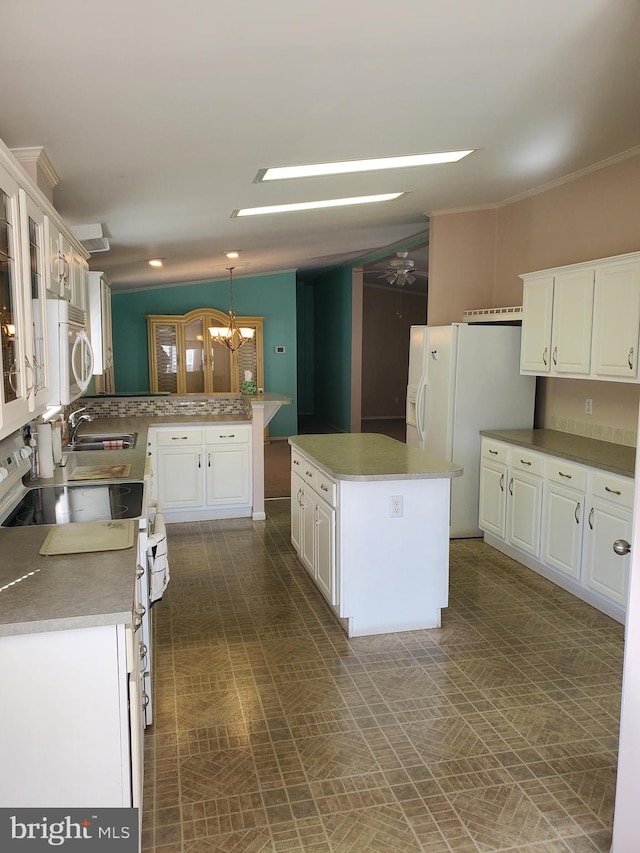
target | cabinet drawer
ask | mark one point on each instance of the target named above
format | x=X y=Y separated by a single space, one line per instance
x=610 y=487
x=494 y=450
x=228 y=435
x=301 y=465
x=567 y=474
x=525 y=460
x=326 y=488
x=179 y=437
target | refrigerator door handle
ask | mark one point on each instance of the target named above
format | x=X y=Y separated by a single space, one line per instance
x=422 y=388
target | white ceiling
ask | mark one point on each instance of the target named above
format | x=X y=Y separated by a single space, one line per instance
x=158 y=114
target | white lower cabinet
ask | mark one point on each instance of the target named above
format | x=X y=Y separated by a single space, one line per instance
x=561 y=520
x=313 y=525
x=524 y=507
x=202 y=473
x=75 y=715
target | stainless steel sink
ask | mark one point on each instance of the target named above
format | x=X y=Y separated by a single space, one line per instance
x=105 y=441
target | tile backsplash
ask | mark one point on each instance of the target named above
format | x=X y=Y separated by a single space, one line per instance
x=129 y=407
x=598 y=431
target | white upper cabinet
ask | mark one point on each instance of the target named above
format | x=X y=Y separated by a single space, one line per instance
x=617 y=306
x=58 y=254
x=17 y=379
x=36 y=276
x=583 y=321
x=572 y=322
x=537 y=309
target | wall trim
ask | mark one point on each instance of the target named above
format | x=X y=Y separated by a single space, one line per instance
x=558 y=182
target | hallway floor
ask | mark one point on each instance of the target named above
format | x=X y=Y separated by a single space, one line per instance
x=274 y=732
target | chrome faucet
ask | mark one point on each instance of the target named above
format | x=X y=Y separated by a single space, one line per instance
x=75 y=419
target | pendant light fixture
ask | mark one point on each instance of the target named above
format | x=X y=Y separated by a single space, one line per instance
x=232 y=336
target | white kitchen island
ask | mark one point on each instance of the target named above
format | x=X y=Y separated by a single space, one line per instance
x=370 y=523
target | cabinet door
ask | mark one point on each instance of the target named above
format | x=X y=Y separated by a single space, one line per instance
x=58 y=260
x=616 y=320
x=325 y=573
x=603 y=570
x=297 y=488
x=180 y=477
x=572 y=322
x=79 y=281
x=228 y=474
x=163 y=357
x=537 y=313
x=493 y=477
x=524 y=506
x=563 y=515
x=37 y=274
x=17 y=379
x=307 y=553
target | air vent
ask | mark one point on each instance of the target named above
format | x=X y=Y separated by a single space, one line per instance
x=512 y=314
x=91 y=238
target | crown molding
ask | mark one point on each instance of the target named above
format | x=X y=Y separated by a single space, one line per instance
x=39 y=156
x=550 y=185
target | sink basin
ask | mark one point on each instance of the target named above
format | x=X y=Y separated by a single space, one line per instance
x=105 y=441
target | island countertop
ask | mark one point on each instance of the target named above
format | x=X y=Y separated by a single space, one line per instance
x=369 y=456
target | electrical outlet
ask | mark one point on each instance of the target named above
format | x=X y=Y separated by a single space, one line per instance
x=396 y=506
x=588 y=406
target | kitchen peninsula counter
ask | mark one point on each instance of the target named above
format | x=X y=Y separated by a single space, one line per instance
x=370 y=524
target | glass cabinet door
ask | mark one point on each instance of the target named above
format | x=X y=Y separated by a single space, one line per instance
x=164 y=357
x=32 y=221
x=15 y=407
x=194 y=356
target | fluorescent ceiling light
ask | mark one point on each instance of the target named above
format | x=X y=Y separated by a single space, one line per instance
x=282 y=172
x=315 y=205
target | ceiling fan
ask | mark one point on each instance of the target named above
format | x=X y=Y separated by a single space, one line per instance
x=401 y=270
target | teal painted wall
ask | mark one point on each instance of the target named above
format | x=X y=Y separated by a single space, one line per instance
x=270 y=296
x=332 y=347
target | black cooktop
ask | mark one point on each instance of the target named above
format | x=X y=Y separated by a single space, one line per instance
x=66 y=504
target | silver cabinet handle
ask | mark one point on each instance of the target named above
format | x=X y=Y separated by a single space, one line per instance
x=511 y=486
x=232 y=435
x=502 y=482
x=576 y=513
x=621 y=547
x=296 y=461
x=544 y=356
x=524 y=462
x=11 y=374
x=31 y=388
x=145 y=701
x=199 y=460
x=555 y=354
x=493 y=452
x=323 y=487
x=309 y=473
x=208 y=460
x=179 y=437
x=630 y=359
x=137 y=616
x=591 y=519
x=566 y=476
x=612 y=491
x=139 y=572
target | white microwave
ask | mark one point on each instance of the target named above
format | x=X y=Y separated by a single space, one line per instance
x=70 y=352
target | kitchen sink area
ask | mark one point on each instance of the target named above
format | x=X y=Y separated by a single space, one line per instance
x=103 y=441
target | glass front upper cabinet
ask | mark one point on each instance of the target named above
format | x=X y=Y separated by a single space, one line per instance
x=185 y=359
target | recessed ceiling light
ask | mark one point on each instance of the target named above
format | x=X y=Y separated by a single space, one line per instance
x=234 y=254
x=340 y=168
x=156 y=262
x=315 y=205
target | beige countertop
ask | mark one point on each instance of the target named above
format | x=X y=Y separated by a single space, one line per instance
x=616 y=458
x=368 y=456
x=61 y=592
x=54 y=593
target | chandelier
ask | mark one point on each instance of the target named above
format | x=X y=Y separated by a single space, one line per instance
x=233 y=337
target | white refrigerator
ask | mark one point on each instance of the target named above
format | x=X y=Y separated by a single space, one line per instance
x=464 y=378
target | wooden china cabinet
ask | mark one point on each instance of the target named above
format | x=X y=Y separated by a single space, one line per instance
x=184 y=358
